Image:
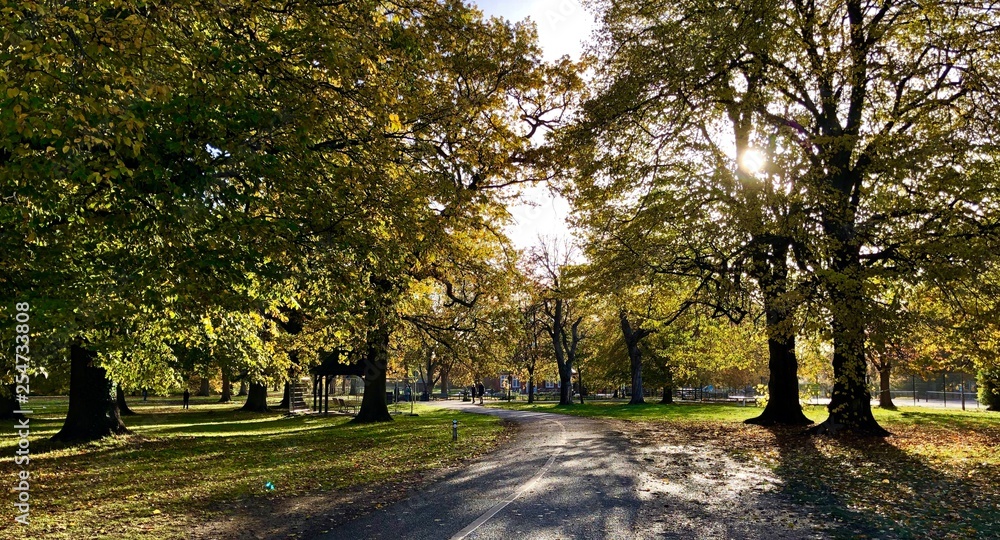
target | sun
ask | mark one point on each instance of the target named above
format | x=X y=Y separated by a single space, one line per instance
x=753 y=161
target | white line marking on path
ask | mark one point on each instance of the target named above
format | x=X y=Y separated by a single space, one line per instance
x=464 y=533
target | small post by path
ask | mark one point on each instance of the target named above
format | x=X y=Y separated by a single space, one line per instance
x=454 y=430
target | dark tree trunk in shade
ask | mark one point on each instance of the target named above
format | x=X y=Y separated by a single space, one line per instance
x=885 y=392
x=668 y=389
x=123 y=408
x=206 y=388
x=632 y=339
x=93 y=410
x=256 y=398
x=227 y=387
x=783 y=405
x=285 y=396
x=531 y=386
x=8 y=403
x=374 y=407
x=244 y=388
x=850 y=400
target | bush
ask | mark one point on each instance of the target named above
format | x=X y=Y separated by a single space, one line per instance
x=989 y=388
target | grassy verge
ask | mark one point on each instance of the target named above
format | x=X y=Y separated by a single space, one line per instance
x=936 y=477
x=182 y=468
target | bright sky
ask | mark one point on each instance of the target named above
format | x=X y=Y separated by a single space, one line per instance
x=563 y=26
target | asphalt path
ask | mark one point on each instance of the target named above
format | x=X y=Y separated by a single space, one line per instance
x=562 y=477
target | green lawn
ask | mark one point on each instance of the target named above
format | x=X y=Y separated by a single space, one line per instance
x=936 y=477
x=183 y=467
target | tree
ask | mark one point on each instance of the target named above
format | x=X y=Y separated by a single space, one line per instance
x=872 y=117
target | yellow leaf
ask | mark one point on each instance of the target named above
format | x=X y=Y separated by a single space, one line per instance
x=12 y=92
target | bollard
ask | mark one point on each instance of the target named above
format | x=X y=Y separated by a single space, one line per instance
x=454 y=430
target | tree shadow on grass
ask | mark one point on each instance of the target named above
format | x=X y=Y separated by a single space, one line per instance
x=873 y=488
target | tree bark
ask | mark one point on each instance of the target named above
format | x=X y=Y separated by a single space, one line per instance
x=244 y=389
x=93 y=410
x=206 y=387
x=668 y=389
x=531 y=386
x=227 y=387
x=256 y=398
x=8 y=403
x=373 y=403
x=285 y=396
x=783 y=405
x=885 y=392
x=632 y=338
x=989 y=388
x=850 y=401
x=123 y=408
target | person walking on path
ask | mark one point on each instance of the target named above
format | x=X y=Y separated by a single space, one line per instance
x=187 y=398
x=480 y=390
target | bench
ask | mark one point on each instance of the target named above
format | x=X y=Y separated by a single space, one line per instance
x=344 y=406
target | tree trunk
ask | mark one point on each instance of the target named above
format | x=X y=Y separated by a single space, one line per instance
x=227 y=387
x=256 y=398
x=243 y=388
x=885 y=393
x=8 y=403
x=850 y=401
x=566 y=384
x=531 y=387
x=668 y=389
x=579 y=380
x=206 y=387
x=783 y=405
x=373 y=404
x=634 y=356
x=444 y=384
x=989 y=388
x=285 y=396
x=93 y=410
x=123 y=408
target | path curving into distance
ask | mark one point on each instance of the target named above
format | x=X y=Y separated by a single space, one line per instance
x=563 y=477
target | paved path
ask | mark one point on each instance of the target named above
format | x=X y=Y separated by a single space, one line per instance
x=564 y=477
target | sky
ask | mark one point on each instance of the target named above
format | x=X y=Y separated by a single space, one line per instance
x=563 y=26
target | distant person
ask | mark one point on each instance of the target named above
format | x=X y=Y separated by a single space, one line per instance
x=187 y=398
x=145 y=394
x=480 y=391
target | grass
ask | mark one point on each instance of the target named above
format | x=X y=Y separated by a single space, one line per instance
x=182 y=468
x=936 y=477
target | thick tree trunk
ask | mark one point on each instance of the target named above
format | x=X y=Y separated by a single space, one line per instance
x=8 y=403
x=668 y=396
x=531 y=387
x=783 y=405
x=256 y=398
x=566 y=383
x=206 y=387
x=123 y=408
x=227 y=387
x=285 y=396
x=989 y=389
x=885 y=392
x=444 y=384
x=243 y=388
x=93 y=411
x=373 y=404
x=850 y=401
x=632 y=339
